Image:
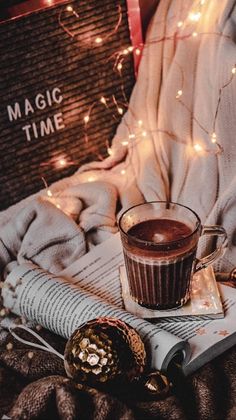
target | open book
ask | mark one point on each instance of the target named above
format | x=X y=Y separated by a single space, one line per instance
x=91 y=288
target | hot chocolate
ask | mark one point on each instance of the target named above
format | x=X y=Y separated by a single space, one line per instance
x=160 y=240
x=160 y=230
x=159 y=266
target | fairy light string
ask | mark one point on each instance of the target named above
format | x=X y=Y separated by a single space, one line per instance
x=186 y=28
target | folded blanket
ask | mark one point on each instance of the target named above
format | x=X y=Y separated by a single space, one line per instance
x=43 y=234
x=52 y=235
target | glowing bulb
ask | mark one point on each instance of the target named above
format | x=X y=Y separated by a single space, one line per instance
x=234 y=70
x=91 y=179
x=195 y=16
x=202 y=2
x=119 y=66
x=126 y=51
x=140 y=123
x=98 y=40
x=69 y=9
x=124 y=143
x=3 y=311
x=194 y=34
x=103 y=100
x=197 y=147
x=109 y=151
x=180 y=23
x=86 y=119
x=58 y=206
x=49 y=193
x=62 y=162
x=120 y=110
x=213 y=137
x=123 y=171
x=131 y=136
x=144 y=133
x=179 y=93
x=130 y=48
x=137 y=51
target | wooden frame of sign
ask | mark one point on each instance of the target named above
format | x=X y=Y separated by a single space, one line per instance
x=56 y=64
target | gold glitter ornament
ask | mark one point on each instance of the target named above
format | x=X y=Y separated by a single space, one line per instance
x=103 y=350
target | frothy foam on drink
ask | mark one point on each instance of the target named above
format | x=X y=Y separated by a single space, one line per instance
x=158 y=237
x=160 y=230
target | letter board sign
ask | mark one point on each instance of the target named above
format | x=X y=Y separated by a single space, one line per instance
x=62 y=91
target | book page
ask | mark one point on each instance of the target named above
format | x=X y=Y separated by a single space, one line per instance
x=62 y=307
x=98 y=271
x=211 y=339
x=208 y=338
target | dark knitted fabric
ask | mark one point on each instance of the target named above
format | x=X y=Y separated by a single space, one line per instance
x=33 y=385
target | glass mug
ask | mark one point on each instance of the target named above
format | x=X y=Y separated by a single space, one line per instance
x=160 y=241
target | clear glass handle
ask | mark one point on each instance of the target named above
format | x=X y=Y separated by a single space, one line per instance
x=218 y=252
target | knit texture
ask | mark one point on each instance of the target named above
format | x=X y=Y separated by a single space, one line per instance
x=34 y=386
x=42 y=234
x=53 y=237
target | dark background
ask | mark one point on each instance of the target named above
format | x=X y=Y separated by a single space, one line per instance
x=10 y=8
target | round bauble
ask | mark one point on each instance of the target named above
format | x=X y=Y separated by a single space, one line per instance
x=104 y=350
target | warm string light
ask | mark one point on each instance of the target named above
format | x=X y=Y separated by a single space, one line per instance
x=98 y=40
x=194 y=17
x=48 y=192
x=197 y=147
x=212 y=135
x=119 y=57
x=50 y=197
x=91 y=179
x=53 y=198
x=70 y=9
x=109 y=104
x=86 y=121
x=180 y=24
x=59 y=162
x=233 y=72
x=119 y=109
